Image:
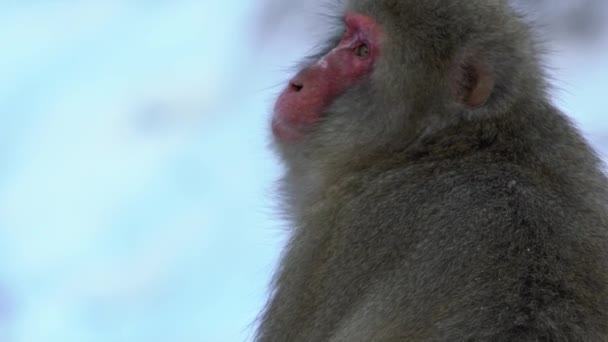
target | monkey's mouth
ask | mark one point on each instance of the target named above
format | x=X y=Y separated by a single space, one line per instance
x=288 y=132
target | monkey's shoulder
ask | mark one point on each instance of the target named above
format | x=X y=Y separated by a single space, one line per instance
x=473 y=190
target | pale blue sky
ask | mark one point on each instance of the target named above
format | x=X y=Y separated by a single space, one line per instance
x=132 y=202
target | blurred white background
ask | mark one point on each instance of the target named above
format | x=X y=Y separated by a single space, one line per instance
x=136 y=186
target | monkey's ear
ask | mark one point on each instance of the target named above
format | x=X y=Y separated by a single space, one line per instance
x=471 y=81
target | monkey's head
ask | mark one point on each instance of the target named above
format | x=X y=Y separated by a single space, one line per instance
x=402 y=69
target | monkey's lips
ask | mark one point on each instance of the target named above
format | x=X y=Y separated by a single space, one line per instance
x=288 y=132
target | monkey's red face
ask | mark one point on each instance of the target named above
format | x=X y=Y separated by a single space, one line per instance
x=301 y=105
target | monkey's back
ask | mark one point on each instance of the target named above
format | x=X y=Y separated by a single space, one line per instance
x=489 y=254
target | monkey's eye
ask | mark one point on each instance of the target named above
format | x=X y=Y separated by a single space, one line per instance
x=362 y=51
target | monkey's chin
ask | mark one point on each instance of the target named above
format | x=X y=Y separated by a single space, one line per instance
x=286 y=132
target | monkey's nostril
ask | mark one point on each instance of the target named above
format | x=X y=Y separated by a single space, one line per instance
x=296 y=86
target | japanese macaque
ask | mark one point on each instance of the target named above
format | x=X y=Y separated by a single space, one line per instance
x=435 y=192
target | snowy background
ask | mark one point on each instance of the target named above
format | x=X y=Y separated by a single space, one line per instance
x=136 y=187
